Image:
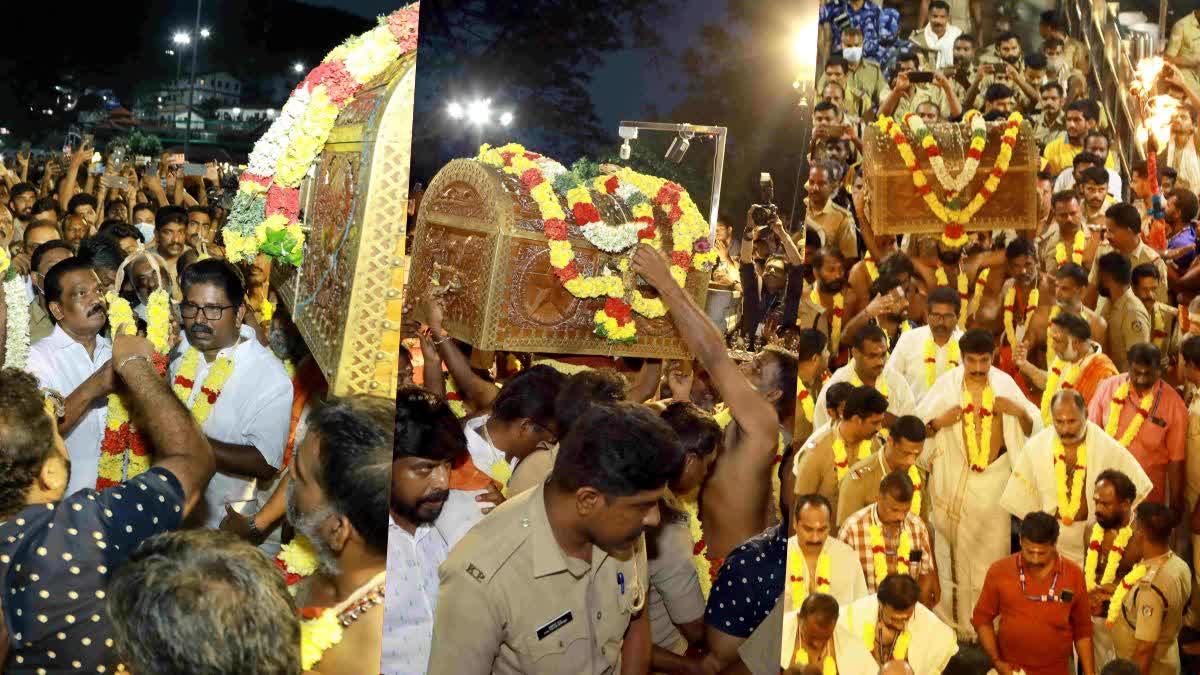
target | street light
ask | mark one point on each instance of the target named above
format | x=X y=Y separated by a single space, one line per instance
x=181 y=38
x=205 y=33
x=298 y=67
x=455 y=110
x=506 y=118
x=479 y=111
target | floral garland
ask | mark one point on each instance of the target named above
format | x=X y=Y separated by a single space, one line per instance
x=899 y=648
x=835 y=322
x=1111 y=562
x=1052 y=385
x=1077 y=247
x=1069 y=501
x=501 y=472
x=798 y=572
x=952 y=214
x=317 y=636
x=841 y=458
x=872 y=267
x=1010 y=306
x=880 y=384
x=1118 y=597
x=979 y=450
x=828 y=665
x=691 y=249
x=963 y=287
x=918 y=487
x=705 y=569
x=210 y=390
x=16 y=344
x=879 y=553
x=124 y=453
x=1158 y=333
x=952 y=184
x=297 y=560
x=980 y=286
x=953 y=359
x=1055 y=310
x=1120 y=398
x=805 y=399
x=264 y=217
x=454 y=398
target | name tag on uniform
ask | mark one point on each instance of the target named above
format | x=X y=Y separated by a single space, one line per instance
x=553 y=625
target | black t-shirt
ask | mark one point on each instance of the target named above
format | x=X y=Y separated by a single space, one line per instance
x=55 y=563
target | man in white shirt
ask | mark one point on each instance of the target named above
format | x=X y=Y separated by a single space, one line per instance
x=74 y=361
x=428 y=439
x=923 y=354
x=1096 y=144
x=894 y=611
x=245 y=414
x=521 y=417
x=869 y=366
x=937 y=37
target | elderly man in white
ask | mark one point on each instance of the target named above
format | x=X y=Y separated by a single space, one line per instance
x=979 y=422
x=893 y=625
x=868 y=365
x=1085 y=449
x=924 y=354
x=238 y=391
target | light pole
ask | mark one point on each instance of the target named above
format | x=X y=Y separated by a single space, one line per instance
x=477 y=113
x=181 y=40
x=204 y=35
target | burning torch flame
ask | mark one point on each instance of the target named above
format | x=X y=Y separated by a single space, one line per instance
x=1158 y=111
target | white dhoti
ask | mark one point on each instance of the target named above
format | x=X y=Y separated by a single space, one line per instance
x=1033 y=483
x=973 y=530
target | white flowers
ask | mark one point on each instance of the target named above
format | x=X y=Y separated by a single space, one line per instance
x=16 y=346
x=612 y=238
x=272 y=145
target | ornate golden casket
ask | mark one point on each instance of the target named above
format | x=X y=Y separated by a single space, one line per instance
x=479 y=233
x=896 y=208
x=346 y=296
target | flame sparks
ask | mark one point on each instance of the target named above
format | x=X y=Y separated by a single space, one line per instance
x=1158 y=111
x=1145 y=75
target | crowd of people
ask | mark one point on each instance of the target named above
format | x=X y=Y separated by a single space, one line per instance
x=179 y=493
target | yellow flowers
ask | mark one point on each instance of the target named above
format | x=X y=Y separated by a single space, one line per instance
x=318 y=635
x=1010 y=306
x=158 y=320
x=375 y=51
x=1118 y=597
x=299 y=557
x=1120 y=398
x=1069 y=502
x=979 y=449
x=1112 y=561
x=5 y=262
x=690 y=505
x=501 y=472
x=214 y=382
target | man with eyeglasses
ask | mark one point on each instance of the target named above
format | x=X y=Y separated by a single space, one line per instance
x=236 y=389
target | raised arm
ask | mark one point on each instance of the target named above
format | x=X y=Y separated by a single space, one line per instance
x=755 y=417
x=478 y=390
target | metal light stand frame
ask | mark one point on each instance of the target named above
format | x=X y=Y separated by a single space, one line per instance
x=719 y=133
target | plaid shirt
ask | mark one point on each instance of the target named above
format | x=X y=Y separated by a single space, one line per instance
x=856 y=531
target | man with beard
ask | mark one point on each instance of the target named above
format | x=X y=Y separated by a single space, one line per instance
x=819 y=308
x=1065 y=228
x=1114 y=498
x=1093 y=185
x=60 y=547
x=737 y=501
x=74 y=361
x=338 y=499
x=246 y=393
x=20 y=201
x=428 y=440
x=834 y=223
x=811 y=360
x=1182 y=209
x=1151 y=421
x=1078 y=362
x=827 y=456
x=813 y=638
x=1012 y=301
x=888 y=538
x=1095 y=153
x=170 y=237
x=905 y=441
x=1127 y=318
x=1070 y=288
x=1148 y=622
x=1080 y=452
x=868 y=366
x=1049 y=122
x=894 y=616
x=979 y=420
x=1123 y=235
x=1082 y=116
x=554 y=580
x=937 y=36
x=921 y=355
x=200 y=228
x=1041 y=602
x=1145 y=282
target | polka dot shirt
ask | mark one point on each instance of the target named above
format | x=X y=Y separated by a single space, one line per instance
x=55 y=562
x=749 y=584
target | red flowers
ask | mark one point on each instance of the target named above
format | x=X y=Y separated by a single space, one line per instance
x=555 y=229
x=974 y=154
x=531 y=178
x=934 y=151
x=585 y=213
x=954 y=231
x=681 y=258
x=181 y=381
x=648 y=232
x=567 y=273
x=619 y=310
x=611 y=185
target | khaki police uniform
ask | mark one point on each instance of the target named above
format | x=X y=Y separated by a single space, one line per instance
x=1046 y=130
x=866 y=80
x=1141 y=255
x=815 y=470
x=675 y=597
x=1185 y=45
x=512 y=602
x=836 y=226
x=1153 y=612
x=1168 y=317
x=918 y=94
x=1128 y=324
x=860 y=487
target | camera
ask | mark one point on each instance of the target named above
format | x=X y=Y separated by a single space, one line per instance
x=763 y=214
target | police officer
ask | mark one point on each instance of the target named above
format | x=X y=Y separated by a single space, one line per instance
x=1151 y=613
x=860 y=488
x=554 y=580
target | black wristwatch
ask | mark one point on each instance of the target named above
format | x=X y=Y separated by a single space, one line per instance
x=255 y=533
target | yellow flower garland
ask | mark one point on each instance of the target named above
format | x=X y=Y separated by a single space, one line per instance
x=158 y=320
x=214 y=382
x=828 y=665
x=798 y=574
x=690 y=504
x=1111 y=562
x=872 y=268
x=835 y=321
x=879 y=553
x=1118 y=597
x=806 y=400
x=317 y=636
x=880 y=384
x=1010 y=307
x=501 y=472
x=1069 y=502
x=299 y=556
x=1052 y=385
x=1060 y=250
x=915 y=476
x=953 y=359
x=841 y=459
x=979 y=450
x=1120 y=398
x=980 y=285
x=899 y=652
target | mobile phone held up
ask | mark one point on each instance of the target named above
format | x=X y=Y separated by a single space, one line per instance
x=920 y=77
x=191 y=169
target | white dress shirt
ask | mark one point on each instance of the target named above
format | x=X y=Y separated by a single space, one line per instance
x=1066 y=181
x=483 y=453
x=62 y=364
x=908 y=358
x=254 y=408
x=900 y=398
x=411 y=597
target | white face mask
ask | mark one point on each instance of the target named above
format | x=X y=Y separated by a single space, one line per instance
x=852 y=54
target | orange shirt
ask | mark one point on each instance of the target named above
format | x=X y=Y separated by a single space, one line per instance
x=1162 y=437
